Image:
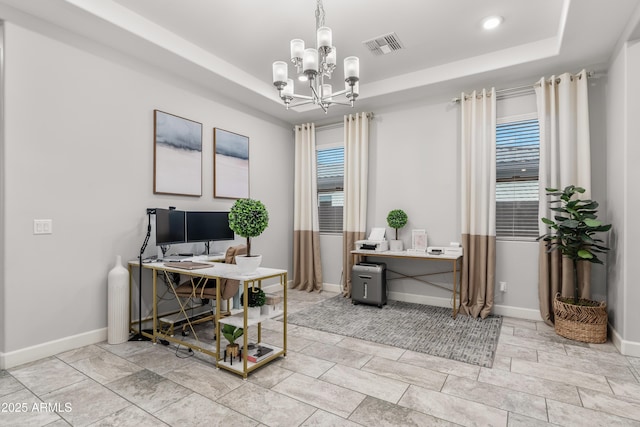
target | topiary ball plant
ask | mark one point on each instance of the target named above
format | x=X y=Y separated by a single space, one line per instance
x=397 y=218
x=248 y=218
x=256 y=297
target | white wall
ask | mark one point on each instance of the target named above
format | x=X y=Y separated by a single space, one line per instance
x=623 y=134
x=632 y=315
x=414 y=166
x=79 y=150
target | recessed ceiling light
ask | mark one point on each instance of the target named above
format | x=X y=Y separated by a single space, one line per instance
x=491 y=22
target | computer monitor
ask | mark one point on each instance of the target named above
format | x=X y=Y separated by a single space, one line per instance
x=170 y=226
x=208 y=226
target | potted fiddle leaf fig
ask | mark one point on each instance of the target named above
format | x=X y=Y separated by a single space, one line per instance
x=248 y=218
x=573 y=231
x=397 y=219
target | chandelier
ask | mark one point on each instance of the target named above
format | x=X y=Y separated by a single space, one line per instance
x=313 y=65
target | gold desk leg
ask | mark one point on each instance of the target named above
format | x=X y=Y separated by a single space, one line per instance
x=455 y=283
x=155 y=305
x=245 y=332
x=217 y=320
x=283 y=279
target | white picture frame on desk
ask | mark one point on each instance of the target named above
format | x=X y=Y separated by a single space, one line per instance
x=418 y=240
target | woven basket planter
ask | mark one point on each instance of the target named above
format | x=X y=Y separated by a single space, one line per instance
x=579 y=322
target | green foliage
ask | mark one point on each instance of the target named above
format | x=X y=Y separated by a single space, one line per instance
x=573 y=230
x=231 y=333
x=248 y=218
x=397 y=218
x=256 y=297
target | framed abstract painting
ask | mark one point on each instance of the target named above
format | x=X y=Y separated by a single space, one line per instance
x=177 y=155
x=230 y=165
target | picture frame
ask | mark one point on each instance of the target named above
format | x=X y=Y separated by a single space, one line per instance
x=177 y=155
x=230 y=165
x=419 y=240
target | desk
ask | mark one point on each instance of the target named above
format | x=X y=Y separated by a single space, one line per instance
x=454 y=260
x=199 y=277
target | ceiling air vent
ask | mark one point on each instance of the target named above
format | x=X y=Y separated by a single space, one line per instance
x=383 y=45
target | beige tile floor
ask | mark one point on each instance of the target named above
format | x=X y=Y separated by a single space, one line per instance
x=537 y=379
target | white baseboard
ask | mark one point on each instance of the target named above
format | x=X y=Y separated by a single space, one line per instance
x=626 y=348
x=331 y=287
x=502 y=310
x=51 y=348
x=517 y=312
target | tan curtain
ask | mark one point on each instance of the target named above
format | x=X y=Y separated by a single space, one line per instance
x=478 y=179
x=565 y=159
x=356 y=170
x=307 y=267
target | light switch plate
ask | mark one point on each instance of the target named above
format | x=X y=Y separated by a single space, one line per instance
x=42 y=226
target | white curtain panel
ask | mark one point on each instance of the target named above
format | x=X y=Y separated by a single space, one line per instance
x=478 y=180
x=307 y=267
x=356 y=175
x=565 y=159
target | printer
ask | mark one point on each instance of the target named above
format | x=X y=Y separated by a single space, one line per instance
x=376 y=241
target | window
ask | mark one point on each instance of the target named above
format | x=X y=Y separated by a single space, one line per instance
x=517 y=164
x=330 y=163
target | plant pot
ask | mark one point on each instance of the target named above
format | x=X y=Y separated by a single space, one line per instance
x=581 y=322
x=248 y=265
x=396 y=246
x=253 y=312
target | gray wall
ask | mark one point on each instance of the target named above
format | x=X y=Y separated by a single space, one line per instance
x=623 y=110
x=78 y=149
x=414 y=166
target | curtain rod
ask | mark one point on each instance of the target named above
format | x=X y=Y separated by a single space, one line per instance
x=526 y=88
x=334 y=124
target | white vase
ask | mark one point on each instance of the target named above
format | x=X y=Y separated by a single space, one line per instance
x=395 y=246
x=248 y=265
x=118 y=303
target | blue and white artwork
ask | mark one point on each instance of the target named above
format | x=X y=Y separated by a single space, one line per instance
x=230 y=164
x=177 y=155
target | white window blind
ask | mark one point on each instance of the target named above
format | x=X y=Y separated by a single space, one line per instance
x=517 y=164
x=330 y=163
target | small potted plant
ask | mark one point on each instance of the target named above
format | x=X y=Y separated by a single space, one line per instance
x=572 y=232
x=248 y=218
x=231 y=334
x=255 y=300
x=397 y=218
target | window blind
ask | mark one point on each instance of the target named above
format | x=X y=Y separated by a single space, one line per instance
x=517 y=193
x=330 y=165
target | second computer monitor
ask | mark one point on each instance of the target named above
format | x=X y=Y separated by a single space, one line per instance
x=208 y=226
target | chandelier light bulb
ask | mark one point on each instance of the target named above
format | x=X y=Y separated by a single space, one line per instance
x=351 y=68
x=297 y=49
x=310 y=61
x=279 y=72
x=324 y=37
x=331 y=57
x=326 y=92
x=288 y=89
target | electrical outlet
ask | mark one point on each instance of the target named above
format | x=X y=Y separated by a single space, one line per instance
x=42 y=226
x=503 y=286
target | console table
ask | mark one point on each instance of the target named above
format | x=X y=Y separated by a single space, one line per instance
x=454 y=260
x=199 y=277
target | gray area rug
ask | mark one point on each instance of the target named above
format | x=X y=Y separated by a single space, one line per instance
x=417 y=327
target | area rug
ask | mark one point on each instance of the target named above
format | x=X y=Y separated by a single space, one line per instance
x=418 y=327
